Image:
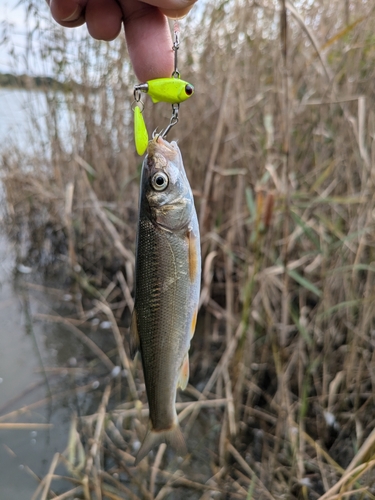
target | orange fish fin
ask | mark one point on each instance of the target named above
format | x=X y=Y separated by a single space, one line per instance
x=193 y=323
x=173 y=437
x=184 y=373
x=193 y=256
x=134 y=337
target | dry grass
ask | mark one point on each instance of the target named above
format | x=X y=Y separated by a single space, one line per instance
x=278 y=145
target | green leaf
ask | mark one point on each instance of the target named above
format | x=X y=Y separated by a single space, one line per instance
x=250 y=202
x=250 y=492
x=304 y=282
x=309 y=232
x=341 y=305
x=302 y=330
x=356 y=267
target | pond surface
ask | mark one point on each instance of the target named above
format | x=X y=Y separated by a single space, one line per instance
x=23 y=354
x=21 y=114
x=46 y=375
x=38 y=359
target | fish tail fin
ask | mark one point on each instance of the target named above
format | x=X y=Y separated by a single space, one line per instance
x=173 y=437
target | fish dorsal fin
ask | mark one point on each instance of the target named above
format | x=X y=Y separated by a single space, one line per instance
x=184 y=373
x=193 y=256
x=134 y=337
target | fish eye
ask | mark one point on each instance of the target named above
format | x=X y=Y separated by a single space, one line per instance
x=189 y=89
x=160 y=181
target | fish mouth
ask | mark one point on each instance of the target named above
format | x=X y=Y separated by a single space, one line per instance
x=162 y=147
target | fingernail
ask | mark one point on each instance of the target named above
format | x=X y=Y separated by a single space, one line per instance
x=73 y=17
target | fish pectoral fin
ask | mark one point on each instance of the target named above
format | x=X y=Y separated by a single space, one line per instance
x=173 y=437
x=184 y=373
x=134 y=337
x=193 y=256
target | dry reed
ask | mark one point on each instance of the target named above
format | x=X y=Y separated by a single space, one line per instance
x=278 y=145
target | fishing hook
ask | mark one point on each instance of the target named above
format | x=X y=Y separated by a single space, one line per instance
x=173 y=120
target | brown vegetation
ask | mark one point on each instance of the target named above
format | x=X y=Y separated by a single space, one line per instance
x=278 y=145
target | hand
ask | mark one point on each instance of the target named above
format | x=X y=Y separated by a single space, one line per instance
x=146 y=28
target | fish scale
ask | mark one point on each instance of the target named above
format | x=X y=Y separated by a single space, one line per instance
x=166 y=290
x=159 y=321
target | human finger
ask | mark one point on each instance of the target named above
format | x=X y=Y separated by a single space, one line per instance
x=68 y=13
x=103 y=19
x=174 y=9
x=149 y=40
x=176 y=13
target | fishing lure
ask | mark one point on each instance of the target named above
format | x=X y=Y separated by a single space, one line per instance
x=172 y=90
x=140 y=131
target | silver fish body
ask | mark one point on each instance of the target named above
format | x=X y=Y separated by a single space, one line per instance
x=168 y=275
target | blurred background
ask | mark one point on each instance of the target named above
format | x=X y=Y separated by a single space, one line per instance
x=278 y=145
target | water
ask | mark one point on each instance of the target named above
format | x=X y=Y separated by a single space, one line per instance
x=31 y=352
x=44 y=369
x=22 y=351
x=21 y=114
x=24 y=120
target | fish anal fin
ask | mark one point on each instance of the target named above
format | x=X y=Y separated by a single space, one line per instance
x=184 y=373
x=173 y=437
x=193 y=256
x=134 y=337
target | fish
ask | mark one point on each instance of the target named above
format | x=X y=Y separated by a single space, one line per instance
x=167 y=289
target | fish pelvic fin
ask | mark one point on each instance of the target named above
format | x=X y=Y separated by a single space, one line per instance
x=184 y=373
x=134 y=337
x=173 y=437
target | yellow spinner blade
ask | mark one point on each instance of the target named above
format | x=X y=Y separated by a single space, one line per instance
x=140 y=132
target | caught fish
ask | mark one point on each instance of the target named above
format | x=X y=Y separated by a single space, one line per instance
x=168 y=275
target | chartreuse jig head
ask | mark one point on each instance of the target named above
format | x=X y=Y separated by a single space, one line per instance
x=172 y=90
